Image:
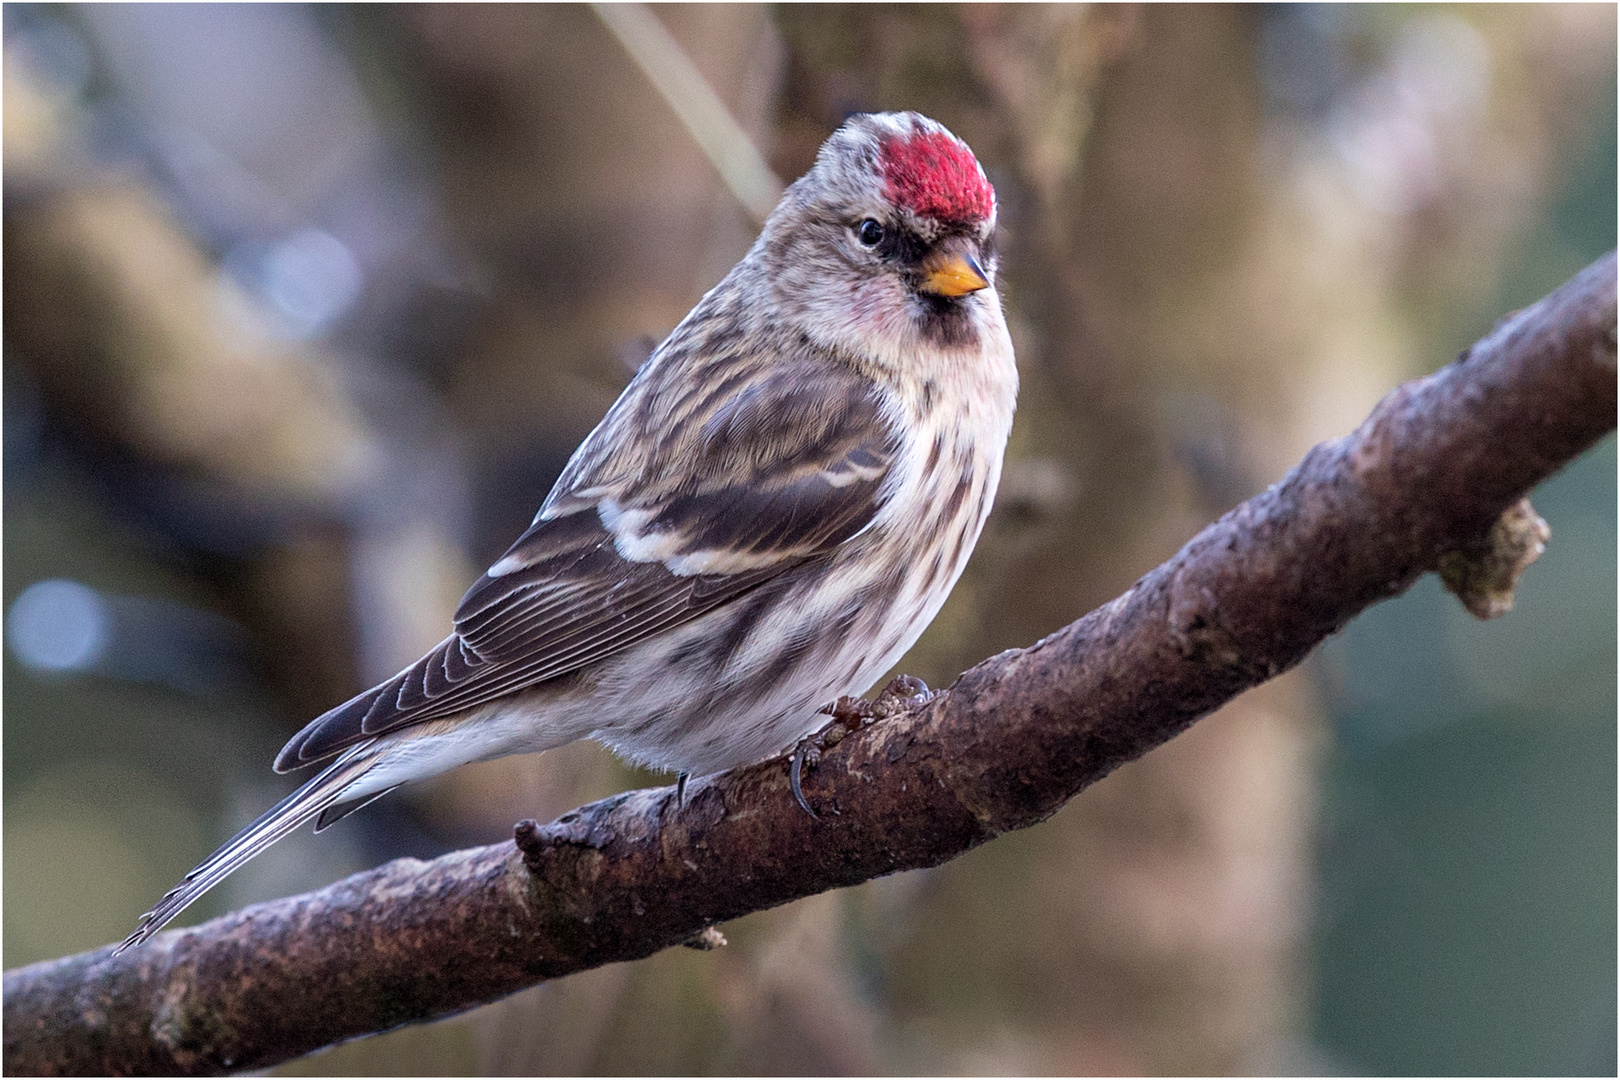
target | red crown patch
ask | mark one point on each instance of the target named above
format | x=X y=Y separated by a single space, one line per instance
x=933 y=175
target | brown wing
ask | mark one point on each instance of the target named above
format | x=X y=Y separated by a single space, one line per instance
x=744 y=485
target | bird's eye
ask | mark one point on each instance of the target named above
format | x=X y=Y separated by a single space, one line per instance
x=869 y=232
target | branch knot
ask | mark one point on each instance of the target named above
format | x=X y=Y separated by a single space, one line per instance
x=1484 y=573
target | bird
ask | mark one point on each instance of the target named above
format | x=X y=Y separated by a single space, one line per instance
x=765 y=520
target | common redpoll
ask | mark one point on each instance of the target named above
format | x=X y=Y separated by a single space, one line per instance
x=765 y=520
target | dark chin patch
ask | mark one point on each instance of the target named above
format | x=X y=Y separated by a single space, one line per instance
x=943 y=320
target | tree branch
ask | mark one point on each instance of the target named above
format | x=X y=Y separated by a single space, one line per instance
x=1425 y=479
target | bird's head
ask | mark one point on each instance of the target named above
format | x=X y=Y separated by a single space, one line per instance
x=887 y=242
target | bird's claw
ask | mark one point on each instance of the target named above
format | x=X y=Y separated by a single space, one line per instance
x=806 y=748
x=850 y=714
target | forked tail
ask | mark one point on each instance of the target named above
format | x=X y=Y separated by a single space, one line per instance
x=324 y=797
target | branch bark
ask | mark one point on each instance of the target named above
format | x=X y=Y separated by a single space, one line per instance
x=1428 y=475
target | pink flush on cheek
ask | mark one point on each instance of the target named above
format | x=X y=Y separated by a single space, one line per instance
x=933 y=175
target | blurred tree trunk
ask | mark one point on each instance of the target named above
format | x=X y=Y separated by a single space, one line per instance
x=1156 y=925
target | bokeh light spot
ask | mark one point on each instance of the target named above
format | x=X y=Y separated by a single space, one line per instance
x=58 y=626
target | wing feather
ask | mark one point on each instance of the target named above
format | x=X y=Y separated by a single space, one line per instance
x=643 y=535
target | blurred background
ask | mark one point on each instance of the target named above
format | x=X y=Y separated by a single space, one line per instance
x=306 y=307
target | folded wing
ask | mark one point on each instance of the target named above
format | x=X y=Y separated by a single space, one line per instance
x=743 y=483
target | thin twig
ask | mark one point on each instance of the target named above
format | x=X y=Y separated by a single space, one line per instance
x=679 y=82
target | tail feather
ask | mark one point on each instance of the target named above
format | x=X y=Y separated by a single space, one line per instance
x=323 y=792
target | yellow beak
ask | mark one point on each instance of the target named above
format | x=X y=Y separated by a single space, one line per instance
x=952 y=273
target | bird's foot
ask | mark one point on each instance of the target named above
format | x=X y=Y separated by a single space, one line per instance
x=902 y=692
x=850 y=714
